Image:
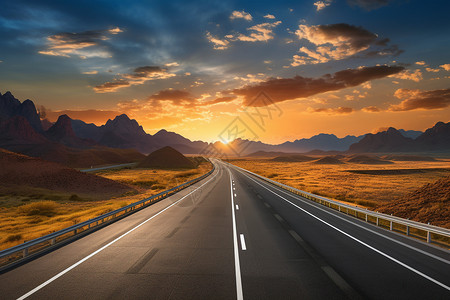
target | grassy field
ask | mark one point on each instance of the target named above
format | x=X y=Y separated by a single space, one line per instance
x=28 y=213
x=364 y=185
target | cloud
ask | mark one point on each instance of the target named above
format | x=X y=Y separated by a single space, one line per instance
x=371 y=109
x=115 y=30
x=261 y=32
x=446 y=67
x=419 y=99
x=322 y=4
x=176 y=97
x=339 y=41
x=269 y=16
x=369 y=4
x=140 y=75
x=432 y=70
x=82 y=44
x=333 y=111
x=421 y=63
x=241 y=15
x=409 y=75
x=218 y=43
x=172 y=64
x=218 y=100
x=252 y=78
x=282 y=89
x=112 y=86
x=90 y=72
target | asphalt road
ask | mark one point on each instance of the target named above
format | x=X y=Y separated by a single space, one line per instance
x=232 y=236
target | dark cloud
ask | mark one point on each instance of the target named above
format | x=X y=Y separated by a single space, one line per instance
x=139 y=76
x=177 y=97
x=146 y=70
x=371 y=109
x=282 y=89
x=340 y=41
x=333 y=111
x=418 y=99
x=219 y=100
x=112 y=86
x=369 y=4
x=83 y=44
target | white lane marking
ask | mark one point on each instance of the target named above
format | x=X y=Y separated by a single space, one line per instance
x=235 y=195
x=367 y=229
x=359 y=241
x=237 y=265
x=243 y=246
x=106 y=246
x=237 y=207
x=234 y=189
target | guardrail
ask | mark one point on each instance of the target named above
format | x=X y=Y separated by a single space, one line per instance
x=429 y=233
x=17 y=254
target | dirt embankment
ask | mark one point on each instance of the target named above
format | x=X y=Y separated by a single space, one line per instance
x=21 y=170
x=430 y=203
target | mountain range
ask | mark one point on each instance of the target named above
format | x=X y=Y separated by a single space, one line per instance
x=122 y=139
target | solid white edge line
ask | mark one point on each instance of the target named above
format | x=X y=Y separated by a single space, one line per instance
x=357 y=240
x=237 y=265
x=362 y=227
x=106 y=246
x=243 y=246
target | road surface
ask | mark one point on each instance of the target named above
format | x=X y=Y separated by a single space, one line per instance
x=232 y=236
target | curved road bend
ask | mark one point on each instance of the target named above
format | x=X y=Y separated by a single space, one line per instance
x=232 y=236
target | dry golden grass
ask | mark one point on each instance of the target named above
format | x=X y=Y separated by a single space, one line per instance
x=33 y=213
x=340 y=183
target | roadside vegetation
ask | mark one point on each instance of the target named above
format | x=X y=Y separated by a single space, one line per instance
x=368 y=186
x=27 y=213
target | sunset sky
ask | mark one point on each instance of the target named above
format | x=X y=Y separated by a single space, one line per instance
x=330 y=66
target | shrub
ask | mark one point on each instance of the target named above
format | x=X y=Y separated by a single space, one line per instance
x=13 y=238
x=42 y=208
x=75 y=197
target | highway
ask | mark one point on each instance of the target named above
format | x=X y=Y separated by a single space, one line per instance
x=233 y=236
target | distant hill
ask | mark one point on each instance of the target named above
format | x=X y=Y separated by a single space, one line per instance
x=11 y=107
x=321 y=141
x=58 y=144
x=390 y=140
x=269 y=154
x=167 y=158
x=407 y=158
x=62 y=132
x=19 y=171
x=430 y=203
x=367 y=160
x=123 y=132
x=410 y=133
x=328 y=160
x=435 y=139
x=293 y=158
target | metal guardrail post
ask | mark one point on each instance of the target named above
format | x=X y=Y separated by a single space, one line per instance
x=429 y=229
x=10 y=255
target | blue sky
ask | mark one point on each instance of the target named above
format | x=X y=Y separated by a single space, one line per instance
x=191 y=66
